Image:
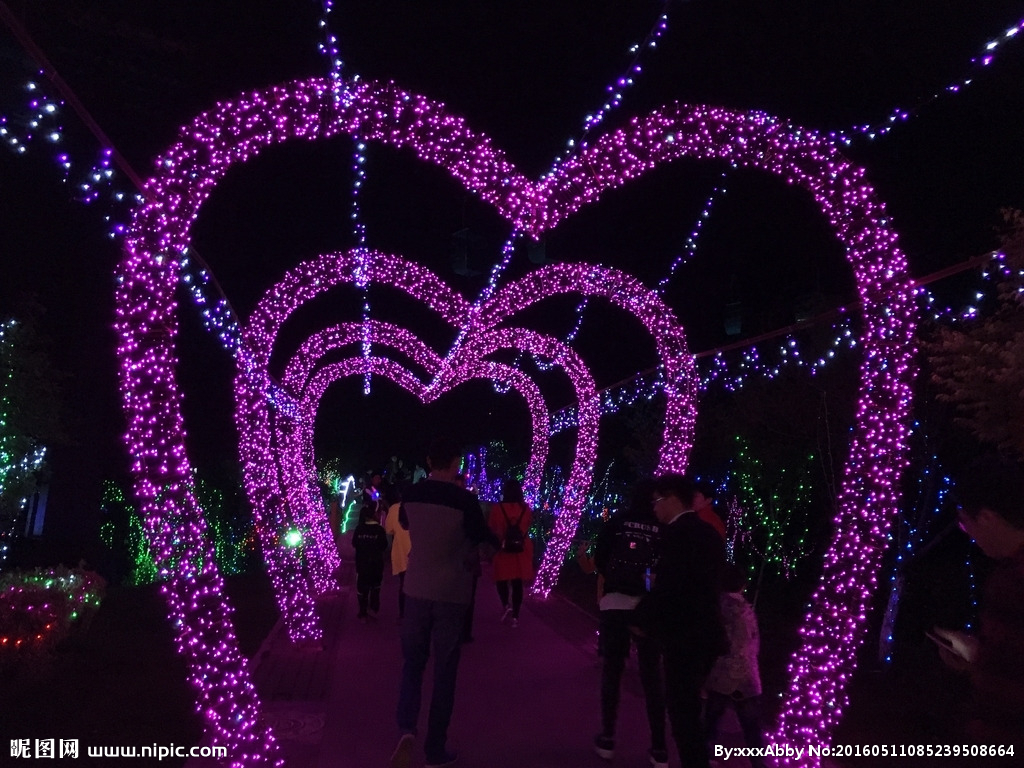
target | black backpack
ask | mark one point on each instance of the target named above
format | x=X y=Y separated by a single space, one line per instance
x=633 y=554
x=515 y=540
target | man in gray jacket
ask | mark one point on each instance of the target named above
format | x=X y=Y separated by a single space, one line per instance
x=446 y=526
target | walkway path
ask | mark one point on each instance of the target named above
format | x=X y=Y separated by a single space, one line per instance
x=527 y=697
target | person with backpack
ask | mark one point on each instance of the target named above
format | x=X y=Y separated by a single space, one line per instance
x=510 y=520
x=369 y=542
x=625 y=555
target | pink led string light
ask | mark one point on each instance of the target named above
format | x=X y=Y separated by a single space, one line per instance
x=358 y=366
x=316 y=347
x=193 y=588
x=271 y=439
x=308 y=357
x=240 y=129
x=631 y=295
x=281 y=510
x=272 y=442
x=400 y=375
x=312 y=278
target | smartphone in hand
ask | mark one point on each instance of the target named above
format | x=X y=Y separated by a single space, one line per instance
x=942 y=642
x=961 y=646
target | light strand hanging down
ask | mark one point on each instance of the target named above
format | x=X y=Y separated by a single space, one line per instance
x=733 y=366
x=685 y=257
x=331 y=50
x=614 y=93
x=329 y=47
x=615 y=90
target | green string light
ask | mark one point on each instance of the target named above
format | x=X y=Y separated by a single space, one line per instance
x=770 y=516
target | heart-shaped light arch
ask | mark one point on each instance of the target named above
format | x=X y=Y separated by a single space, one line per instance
x=379 y=333
x=293 y=439
x=238 y=130
x=352 y=366
x=310 y=279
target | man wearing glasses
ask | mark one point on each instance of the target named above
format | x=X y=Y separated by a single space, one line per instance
x=681 y=611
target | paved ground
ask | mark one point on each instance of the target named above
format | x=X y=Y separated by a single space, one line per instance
x=526 y=696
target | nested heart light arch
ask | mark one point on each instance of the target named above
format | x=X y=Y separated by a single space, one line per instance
x=362 y=266
x=237 y=130
x=385 y=335
x=305 y=361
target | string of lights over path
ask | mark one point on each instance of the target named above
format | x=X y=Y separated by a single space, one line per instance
x=989 y=53
x=220 y=318
x=614 y=93
x=220 y=315
x=649 y=382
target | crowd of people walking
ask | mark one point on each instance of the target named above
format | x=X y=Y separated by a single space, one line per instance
x=664 y=588
x=660 y=572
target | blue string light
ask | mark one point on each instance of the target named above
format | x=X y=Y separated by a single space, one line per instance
x=614 y=93
x=330 y=48
x=731 y=370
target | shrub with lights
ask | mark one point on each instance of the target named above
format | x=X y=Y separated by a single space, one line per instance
x=122 y=533
x=28 y=411
x=39 y=608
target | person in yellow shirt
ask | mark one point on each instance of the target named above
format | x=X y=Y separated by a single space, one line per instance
x=401 y=544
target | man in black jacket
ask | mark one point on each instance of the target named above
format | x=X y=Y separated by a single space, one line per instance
x=682 y=610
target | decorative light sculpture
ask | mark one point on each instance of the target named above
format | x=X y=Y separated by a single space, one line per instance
x=305 y=360
x=262 y=461
x=238 y=130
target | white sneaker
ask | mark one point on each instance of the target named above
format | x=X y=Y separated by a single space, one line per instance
x=402 y=756
x=515 y=623
x=604 y=746
x=658 y=757
x=506 y=614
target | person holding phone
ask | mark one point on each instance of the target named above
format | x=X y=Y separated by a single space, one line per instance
x=992 y=514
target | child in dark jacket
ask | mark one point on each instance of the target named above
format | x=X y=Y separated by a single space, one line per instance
x=369 y=541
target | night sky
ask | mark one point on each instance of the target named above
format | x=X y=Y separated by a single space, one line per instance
x=525 y=73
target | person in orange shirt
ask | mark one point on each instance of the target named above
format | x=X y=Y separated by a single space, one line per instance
x=513 y=563
x=704 y=506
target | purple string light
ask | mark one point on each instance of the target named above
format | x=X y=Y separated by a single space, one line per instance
x=237 y=131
